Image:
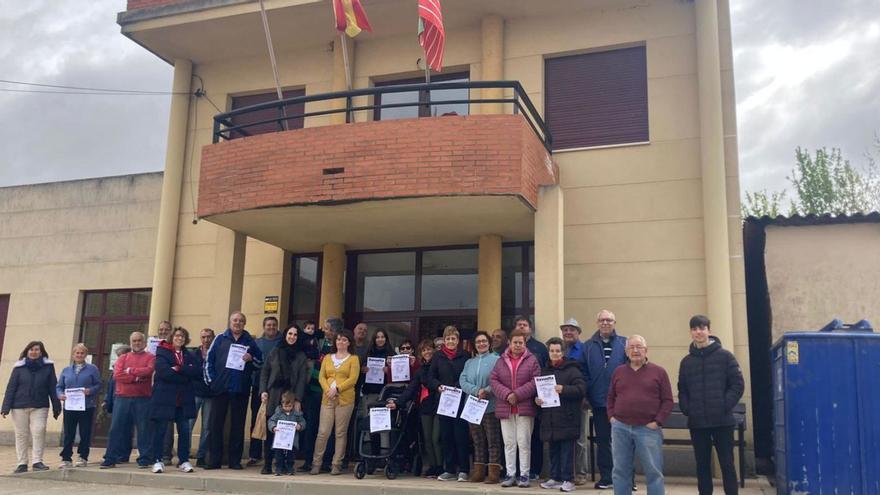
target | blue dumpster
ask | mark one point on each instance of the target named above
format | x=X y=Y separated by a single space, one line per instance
x=826 y=396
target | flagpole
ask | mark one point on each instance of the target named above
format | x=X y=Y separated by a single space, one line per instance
x=428 y=81
x=274 y=63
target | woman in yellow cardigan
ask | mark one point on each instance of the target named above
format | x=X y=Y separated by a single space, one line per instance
x=338 y=376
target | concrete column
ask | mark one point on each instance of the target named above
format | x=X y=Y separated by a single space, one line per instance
x=332 y=278
x=715 y=233
x=549 y=263
x=492 y=28
x=489 y=289
x=169 y=209
x=230 y=248
x=339 y=80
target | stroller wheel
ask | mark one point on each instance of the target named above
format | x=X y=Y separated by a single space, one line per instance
x=390 y=470
x=360 y=470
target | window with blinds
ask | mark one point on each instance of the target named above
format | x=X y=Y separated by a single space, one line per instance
x=597 y=99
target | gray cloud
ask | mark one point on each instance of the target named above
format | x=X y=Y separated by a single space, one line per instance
x=807 y=74
x=58 y=137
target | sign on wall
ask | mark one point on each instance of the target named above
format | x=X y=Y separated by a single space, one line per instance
x=270 y=305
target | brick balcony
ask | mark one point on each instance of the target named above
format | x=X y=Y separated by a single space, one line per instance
x=477 y=155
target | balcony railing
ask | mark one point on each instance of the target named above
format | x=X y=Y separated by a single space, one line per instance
x=224 y=127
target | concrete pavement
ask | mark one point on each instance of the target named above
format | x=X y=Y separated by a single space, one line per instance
x=96 y=481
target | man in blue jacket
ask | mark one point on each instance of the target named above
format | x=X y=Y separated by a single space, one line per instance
x=603 y=353
x=232 y=386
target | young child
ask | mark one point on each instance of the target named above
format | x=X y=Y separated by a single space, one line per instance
x=286 y=412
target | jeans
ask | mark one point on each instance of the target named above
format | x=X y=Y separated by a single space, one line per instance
x=129 y=412
x=255 y=451
x=236 y=406
x=581 y=464
x=203 y=405
x=30 y=425
x=517 y=434
x=184 y=437
x=604 y=459
x=72 y=421
x=168 y=443
x=562 y=460
x=648 y=446
x=537 y=448
x=283 y=460
x=722 y=438
x=456 y=442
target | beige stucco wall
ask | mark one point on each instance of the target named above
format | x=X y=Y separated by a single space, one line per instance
x=60 y=239
x=818 y=273
x=633 y=227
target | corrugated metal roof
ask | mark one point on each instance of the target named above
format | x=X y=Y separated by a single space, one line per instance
x=828 y=219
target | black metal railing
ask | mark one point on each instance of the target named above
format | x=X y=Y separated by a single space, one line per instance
x=225 y=127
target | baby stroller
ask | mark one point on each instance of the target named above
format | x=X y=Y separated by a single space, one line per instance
x=390 y=450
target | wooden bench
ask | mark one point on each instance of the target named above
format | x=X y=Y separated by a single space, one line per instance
x=678 y=421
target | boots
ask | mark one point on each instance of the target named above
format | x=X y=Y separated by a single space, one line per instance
x=494 y=476
x=478 y=473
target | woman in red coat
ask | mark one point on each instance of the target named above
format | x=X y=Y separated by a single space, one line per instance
x=513 y=383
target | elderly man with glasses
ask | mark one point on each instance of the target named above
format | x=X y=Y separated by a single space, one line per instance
x=639 y=402
x=602 y=354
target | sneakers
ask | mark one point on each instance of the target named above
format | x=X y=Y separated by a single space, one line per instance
x=635 y=487
x=523 y=482
x=65 y=465
x=567 y=486
x=39 y=466
x=447 y=477
x=315 y=469
x=603 y=485
x=21 y=468
x=462 y=476
x=186 y=467
x=508 y=481
x=81 y=462
x=252 y=462
x=335 y=470
x=159 y=467
x=550 y=484
x=107 y=464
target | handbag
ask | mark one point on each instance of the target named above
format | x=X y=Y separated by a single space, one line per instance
x=259 y=430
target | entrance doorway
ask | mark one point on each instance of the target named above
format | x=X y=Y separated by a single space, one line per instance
x=109 y=318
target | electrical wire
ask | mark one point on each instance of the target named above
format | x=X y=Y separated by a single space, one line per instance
x=81 y=88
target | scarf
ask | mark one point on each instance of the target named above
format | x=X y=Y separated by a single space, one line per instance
x=78 y=367
x=557 y=363
x=450 y=353
x=33 y=364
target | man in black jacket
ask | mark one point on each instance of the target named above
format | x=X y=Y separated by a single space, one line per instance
x=710 y=384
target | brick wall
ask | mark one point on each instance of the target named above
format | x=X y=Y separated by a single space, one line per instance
x=440 y=156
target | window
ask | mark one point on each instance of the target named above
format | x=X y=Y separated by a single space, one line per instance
x=386 y=282
x=4 y=311
x=305 y=290
x=411 y=112
x=269 y=113
x=449 y=279
x=597 y=99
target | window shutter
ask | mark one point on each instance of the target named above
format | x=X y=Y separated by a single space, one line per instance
x=597 y=99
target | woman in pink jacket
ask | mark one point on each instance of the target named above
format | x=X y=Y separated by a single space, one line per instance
x=513 y=383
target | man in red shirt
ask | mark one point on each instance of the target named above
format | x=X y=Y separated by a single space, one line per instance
x=639 y=401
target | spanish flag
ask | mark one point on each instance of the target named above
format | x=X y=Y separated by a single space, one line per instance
x=350 y=17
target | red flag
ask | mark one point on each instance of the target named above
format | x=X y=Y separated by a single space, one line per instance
x=350 y=17
x=432 y=36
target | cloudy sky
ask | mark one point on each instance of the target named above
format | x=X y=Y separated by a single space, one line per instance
x=807 y=74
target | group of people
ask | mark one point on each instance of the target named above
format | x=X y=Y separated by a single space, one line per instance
x=311 y=379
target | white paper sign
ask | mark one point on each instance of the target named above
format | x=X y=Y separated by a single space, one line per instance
x=113 y=357
x=234 y=359
x=547 y=391
x=375 y=370
x=474 y=409
x=450 y=398
x=380 y=419
x=153 y=344
x=400 y=368
x=285 y=432
x=75 y=399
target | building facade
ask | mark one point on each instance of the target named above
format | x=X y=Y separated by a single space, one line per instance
x=601 y=172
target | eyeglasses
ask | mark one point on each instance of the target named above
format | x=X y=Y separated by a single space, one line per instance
x=606 y=320
x=636 y=347
x=405 y=348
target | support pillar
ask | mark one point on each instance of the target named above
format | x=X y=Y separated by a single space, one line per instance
x=489 y=289
x=169 y=209
x=230 y=249
x=332 y=278
x=492 y=30
x=715 y=232
x=339 y=80
x=549 y=263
